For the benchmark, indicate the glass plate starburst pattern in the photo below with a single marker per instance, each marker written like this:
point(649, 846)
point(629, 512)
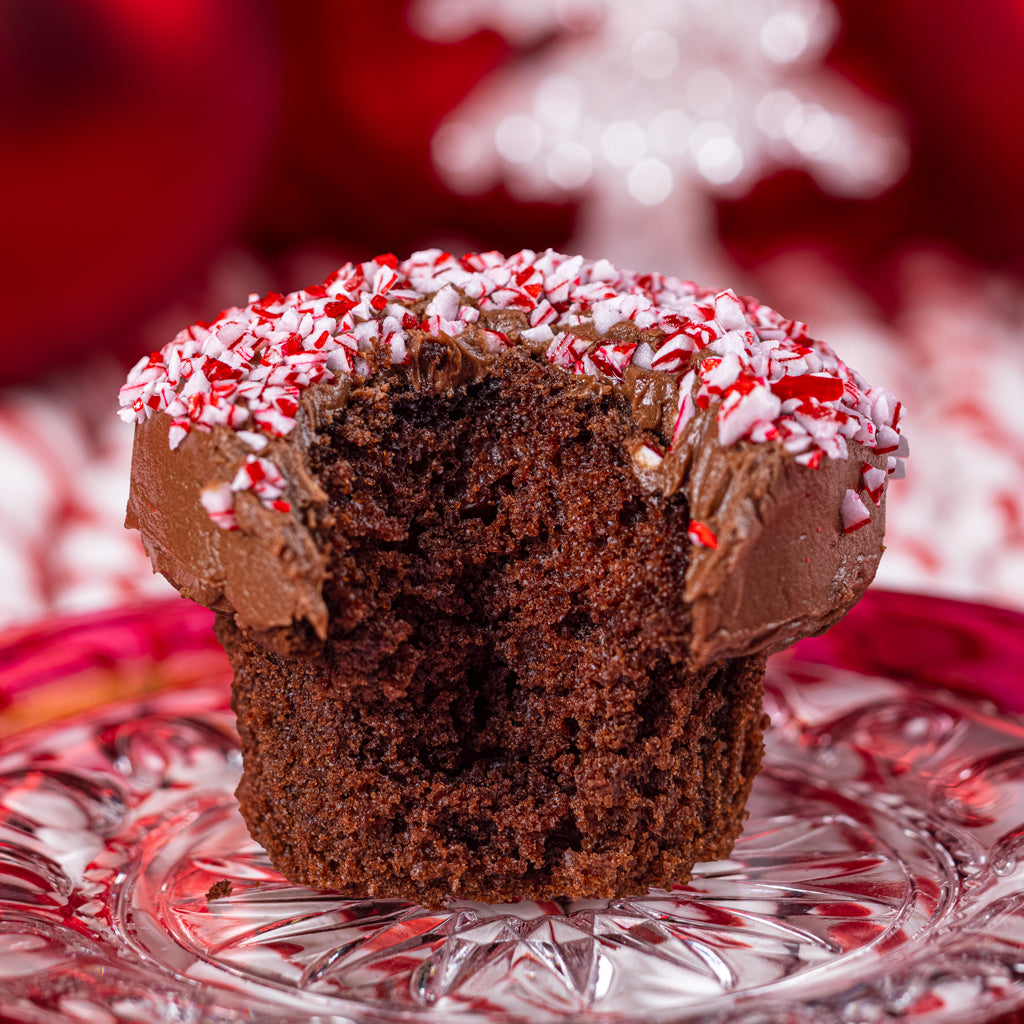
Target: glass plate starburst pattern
point(879, 877)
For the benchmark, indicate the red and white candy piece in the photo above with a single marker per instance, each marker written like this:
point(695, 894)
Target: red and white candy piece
point(646, 457)
point(874, 481)
point(740, 413)
point(854, 512)
point(612, 360)
point(258, 475)
point(566, 349)
point(701, 535)
point(219, 501)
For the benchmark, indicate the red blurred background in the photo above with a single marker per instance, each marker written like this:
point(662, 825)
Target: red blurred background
point(141, 139)
point(162, 159)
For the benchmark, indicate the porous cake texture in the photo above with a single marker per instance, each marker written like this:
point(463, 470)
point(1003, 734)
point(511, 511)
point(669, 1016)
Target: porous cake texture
point(504, 704)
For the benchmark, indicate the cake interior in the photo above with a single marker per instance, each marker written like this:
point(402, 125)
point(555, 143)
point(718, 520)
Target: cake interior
point(503, 704)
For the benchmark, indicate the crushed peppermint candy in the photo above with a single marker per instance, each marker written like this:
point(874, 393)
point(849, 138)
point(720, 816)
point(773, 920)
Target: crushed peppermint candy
point(701, 535)
point(264, 479)
point(854, 512)
point(260, 476)
point(767, 379)
point(874, 482)
point(219, 501)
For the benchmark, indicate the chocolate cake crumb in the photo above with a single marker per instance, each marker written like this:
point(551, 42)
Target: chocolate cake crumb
point(219, 890)
point(504, 705)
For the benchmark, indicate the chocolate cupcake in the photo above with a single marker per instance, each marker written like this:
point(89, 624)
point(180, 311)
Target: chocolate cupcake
point(498, 548)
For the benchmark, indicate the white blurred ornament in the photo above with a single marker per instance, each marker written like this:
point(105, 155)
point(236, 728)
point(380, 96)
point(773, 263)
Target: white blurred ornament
point(645, 110)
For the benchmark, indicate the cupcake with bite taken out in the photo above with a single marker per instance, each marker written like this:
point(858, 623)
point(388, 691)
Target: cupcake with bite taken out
point(497, 549)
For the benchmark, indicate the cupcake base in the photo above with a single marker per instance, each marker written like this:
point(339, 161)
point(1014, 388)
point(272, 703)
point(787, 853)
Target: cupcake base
point(360, 793)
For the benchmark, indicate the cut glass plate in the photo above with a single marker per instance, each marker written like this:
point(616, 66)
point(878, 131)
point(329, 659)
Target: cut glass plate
point(879, 876)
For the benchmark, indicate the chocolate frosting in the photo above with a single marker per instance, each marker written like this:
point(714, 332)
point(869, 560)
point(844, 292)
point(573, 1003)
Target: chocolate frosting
point(783, 568)
point(268, 573)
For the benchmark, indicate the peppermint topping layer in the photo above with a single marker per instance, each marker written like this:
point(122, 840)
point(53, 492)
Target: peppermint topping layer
point(771, 381)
